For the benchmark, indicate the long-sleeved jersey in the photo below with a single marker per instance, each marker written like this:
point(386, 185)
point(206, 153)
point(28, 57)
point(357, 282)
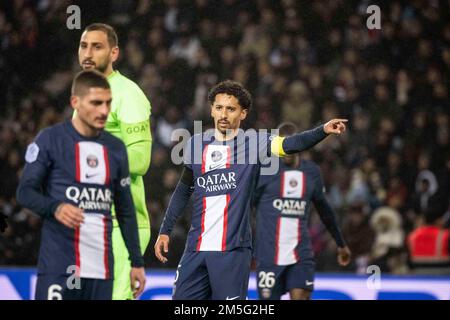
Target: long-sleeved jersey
point(129, 120)
point(224, 175)
point(63, 166)
point(283, 203)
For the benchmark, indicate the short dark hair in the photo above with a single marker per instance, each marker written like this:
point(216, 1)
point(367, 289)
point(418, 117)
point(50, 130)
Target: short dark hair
point(232, 88)
point(86, 79)
point(113, 40)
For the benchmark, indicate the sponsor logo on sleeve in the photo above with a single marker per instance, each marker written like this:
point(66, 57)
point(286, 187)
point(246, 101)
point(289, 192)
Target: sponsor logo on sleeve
point(32, 153)
point(125, 182)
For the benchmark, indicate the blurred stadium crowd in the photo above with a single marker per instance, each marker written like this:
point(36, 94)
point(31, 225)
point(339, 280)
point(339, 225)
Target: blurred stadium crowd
point(303, 61)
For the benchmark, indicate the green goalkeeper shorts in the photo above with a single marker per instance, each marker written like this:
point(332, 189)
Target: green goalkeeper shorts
point(122, 266)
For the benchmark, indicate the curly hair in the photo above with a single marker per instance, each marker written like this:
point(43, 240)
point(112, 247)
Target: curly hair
point(232, 88)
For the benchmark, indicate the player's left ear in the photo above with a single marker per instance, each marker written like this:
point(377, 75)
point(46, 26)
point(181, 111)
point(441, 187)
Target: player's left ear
point(114, 54)
point(244, 113)
point(74, 100)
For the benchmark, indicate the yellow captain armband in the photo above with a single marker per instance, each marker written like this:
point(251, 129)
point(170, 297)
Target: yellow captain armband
point(276, 146)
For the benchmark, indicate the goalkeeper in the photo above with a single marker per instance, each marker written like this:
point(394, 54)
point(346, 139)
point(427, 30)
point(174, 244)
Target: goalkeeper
point(129, 120)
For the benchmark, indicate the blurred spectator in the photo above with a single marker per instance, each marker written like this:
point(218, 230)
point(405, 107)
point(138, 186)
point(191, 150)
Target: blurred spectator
point(298, 106)
point(302, 61)
point(169, 122)
point(426, 187)
point(429, 245)
point(359, 236)
point(389, 240)
point(186, 46)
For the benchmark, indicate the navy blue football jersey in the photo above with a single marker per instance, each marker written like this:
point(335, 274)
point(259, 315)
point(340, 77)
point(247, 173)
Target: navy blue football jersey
point(222, 176)
point(92, 174)
point(225, 175)
point(283, 202)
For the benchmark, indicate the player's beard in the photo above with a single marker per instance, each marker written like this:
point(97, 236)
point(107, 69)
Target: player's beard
point(226, 129)
point(227, 132)
point(102, 67)
point(290, 160)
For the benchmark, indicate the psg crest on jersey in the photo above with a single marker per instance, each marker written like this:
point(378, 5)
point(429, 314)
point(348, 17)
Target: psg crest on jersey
point(92, 161)
point(216, 156)
point(293, 183)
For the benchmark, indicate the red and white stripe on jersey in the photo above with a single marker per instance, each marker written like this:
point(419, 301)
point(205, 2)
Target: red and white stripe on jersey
point(213, 236)
point(293, 184)
point(287, 238)
point(91, 247)
point(215, 157)
point(92, 164)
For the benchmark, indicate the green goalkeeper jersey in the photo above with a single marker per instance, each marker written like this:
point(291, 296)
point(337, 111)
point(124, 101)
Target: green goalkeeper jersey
point(129, 120)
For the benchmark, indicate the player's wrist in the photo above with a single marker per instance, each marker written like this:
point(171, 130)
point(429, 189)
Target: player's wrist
point(137, 268)
point(57, 207)
point(137, 261)
point(137, 264)
point(163, 235)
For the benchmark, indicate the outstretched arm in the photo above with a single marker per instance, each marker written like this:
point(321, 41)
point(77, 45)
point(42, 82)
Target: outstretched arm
point(282, 146)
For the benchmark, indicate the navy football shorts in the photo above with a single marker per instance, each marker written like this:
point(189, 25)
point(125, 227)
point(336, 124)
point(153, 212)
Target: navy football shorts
point(61, 287)
point(211, 275)
point(274, 281)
